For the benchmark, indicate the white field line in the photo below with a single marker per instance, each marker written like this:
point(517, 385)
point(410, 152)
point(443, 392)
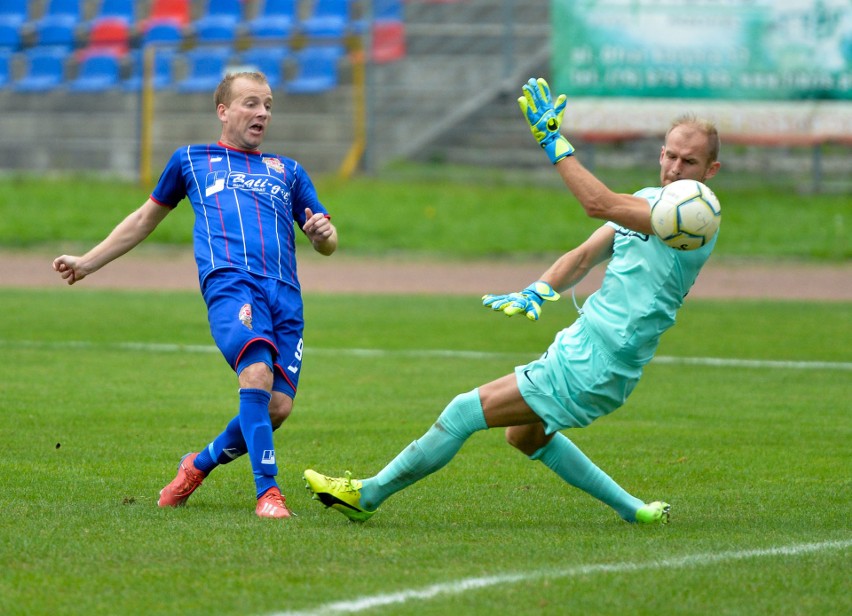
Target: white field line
point(147, 347)
point(360, 604)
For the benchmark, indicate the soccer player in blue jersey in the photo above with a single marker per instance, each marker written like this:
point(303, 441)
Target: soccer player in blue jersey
point(246, 203)
point(593, 365)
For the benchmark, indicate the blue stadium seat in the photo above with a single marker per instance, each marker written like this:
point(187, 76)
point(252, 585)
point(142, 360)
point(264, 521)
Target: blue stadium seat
point(163, 74)
point(316, 69)
point(268, 60)
point(216, 31)
point(165, 31)
point(45, 70)
point(330, 18)
point(206, 67)
point(10, 36)
point(63, 12)
point(58, 25)
point(97, 73)
point(56, 33)
point(124, 10)
point(222, 11)
point(390, 10)
point(14, 12)
point(5, 68)
point(277, 19)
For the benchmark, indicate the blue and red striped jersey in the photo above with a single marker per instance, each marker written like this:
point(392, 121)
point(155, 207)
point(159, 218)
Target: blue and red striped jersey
point(245, 203)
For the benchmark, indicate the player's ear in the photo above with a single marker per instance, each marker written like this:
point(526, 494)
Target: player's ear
point(712, 170)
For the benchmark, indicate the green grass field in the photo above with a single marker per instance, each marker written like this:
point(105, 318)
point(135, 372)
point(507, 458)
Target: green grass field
point(104, 391)
point(473, 214)
point(742, 423)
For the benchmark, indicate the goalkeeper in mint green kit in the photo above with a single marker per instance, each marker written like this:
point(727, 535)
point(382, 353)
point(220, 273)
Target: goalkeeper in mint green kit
point(593, 365)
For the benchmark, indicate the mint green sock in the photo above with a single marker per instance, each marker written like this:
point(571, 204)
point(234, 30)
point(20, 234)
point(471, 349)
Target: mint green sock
point(566, 460)
point(462, 417)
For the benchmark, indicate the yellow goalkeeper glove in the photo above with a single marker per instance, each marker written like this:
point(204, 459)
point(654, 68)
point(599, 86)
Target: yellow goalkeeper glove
point(545, 118)
point(527, 301)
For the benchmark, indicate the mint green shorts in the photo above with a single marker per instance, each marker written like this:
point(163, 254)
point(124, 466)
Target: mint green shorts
point(575, 381)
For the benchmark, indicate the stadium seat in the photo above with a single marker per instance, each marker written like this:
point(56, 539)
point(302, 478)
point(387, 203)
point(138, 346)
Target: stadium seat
point(163, 70)
point(330, 18)
point(45, 70)
point(108, 35)
point(222, 11)
point(14, 12)
point(388, 41)
point(316, 69)
point(174, 10)
point(58, 25)
point(124, 10)
point(163, 31)
point(56, 34)
point(5, 68)
point(268, 60)
point(97, 73)
point(277, 19)
point(219, 22)
point(10, 37)
point(387, 10)
point(205, 69)
point(216, 31)
point(66, 12)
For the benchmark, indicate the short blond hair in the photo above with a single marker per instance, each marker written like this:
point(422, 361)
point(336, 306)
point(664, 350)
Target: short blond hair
point(224, 95)
point(714, 143)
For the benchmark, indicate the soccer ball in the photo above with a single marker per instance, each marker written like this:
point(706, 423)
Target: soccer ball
point(686, 215)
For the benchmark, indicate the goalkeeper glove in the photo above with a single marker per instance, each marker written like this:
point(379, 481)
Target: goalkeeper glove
point(528, 301)
point(545, 118)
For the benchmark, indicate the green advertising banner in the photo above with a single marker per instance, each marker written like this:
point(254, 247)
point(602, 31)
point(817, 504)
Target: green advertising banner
point(710, 49)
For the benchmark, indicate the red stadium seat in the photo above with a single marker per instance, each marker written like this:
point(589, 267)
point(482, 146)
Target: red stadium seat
point(108, 36)
point(174, 10)
point(388, 41)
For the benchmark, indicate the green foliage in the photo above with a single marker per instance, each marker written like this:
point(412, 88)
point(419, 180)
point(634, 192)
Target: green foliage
point(461, 215)
point(94, 422)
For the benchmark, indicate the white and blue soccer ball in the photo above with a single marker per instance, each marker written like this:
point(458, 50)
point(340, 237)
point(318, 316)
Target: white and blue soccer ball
point(686, 215)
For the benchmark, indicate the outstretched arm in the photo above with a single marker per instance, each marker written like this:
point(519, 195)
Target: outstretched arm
point(600, 202)
point(567, 271)
point(126, 235)
point(545, 120)
point(573, 266)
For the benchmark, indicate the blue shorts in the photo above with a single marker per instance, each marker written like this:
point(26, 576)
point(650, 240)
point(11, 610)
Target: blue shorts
point(575, 381)
point(244, 309)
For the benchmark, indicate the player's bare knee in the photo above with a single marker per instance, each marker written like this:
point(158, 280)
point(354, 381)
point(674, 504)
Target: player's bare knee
point(527, 439)
point(256, 376)
point(515, 437)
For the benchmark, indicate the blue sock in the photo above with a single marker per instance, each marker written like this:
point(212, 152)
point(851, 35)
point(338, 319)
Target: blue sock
point(566, 460)
point(462, 417)
point(225, 448)
point(257, 431)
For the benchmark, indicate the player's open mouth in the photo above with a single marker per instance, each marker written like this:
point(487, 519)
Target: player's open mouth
point(256, 128)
